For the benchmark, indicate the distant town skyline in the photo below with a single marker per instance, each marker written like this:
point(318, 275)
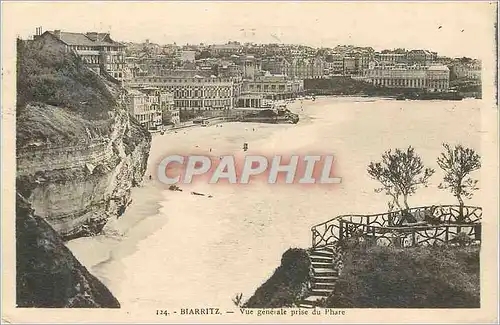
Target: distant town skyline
point(452, 29)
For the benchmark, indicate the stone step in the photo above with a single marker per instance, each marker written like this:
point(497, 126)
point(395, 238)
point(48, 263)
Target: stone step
point(325, 285)
point(321, 259)
point(325, 272)
point(306, 306)
point(325, 279)
point(321, 292)
point(325, 249)
point(321, 254)
point(316, 266)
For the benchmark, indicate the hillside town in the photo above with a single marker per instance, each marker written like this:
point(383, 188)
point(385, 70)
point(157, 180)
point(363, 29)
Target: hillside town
point(166, 85)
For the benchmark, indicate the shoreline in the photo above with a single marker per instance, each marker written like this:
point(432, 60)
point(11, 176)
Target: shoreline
point(176, 233)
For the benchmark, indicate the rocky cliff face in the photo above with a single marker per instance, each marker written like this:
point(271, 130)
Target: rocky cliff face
point(77, 188)
point(48, 275)
point(79, 152)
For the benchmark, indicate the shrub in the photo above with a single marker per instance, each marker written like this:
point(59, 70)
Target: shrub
point(421, 277)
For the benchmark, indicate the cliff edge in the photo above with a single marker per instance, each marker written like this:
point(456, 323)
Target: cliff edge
point(79, 152)
point(48, 275)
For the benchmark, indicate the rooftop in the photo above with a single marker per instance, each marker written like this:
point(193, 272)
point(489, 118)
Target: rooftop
point(87, 39)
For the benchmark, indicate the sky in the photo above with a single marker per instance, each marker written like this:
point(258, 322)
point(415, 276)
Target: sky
point(452, 29)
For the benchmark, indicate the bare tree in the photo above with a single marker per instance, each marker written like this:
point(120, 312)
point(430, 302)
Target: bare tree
point(238, 299)
point(400, 172)
point(458, 162)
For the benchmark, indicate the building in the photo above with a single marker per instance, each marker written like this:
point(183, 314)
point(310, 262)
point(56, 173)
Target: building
point(101, 53)
point(349, 65)
point(274, 86)
point(275, 66)
point(421, 57)
point(469, 70)
point(187, 56)
point(438, 78)
point(390, 58)
point(152, 106)
point(137, 106)
point(306, 68)
point(335, 66)
point(432, 78)
point(250, 66)
point(196, 92)
point(226, 49)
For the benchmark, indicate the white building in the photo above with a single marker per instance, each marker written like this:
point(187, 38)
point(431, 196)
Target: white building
point(433, 78)
point(100, 53)
point(197, 92)
point(150, 105)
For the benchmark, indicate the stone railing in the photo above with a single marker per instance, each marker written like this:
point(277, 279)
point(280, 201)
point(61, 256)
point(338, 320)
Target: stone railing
point(387, 228)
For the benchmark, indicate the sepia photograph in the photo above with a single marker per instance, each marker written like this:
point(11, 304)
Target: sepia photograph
point(236, 162)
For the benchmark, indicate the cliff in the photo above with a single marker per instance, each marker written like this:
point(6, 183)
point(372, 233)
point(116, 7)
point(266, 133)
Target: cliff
point(79, 152)
point(287, 286)
point(48, 275)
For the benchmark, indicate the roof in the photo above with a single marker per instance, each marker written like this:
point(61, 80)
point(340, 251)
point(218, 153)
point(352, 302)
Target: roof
point(438, 68)
point(135, 92)
point(88, 39)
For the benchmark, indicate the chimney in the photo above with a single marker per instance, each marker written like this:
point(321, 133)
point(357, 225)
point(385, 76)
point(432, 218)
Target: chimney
point(57, 33)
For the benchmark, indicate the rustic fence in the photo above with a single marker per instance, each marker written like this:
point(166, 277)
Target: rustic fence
point(385, 228)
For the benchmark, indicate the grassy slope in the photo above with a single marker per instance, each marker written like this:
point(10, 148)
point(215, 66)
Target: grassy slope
point(379, 277)
point(286, 284)
point(57, 96)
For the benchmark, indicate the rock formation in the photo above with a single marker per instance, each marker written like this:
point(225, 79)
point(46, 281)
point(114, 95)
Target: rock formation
point(79, 153)
point(48, 275)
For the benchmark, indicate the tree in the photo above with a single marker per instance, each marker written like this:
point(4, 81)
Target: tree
point(400, 172)
point(457, 163)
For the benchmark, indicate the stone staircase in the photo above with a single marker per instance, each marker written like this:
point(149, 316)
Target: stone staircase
point(326, 263)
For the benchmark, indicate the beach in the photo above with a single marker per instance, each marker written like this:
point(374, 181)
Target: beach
point(174, 249)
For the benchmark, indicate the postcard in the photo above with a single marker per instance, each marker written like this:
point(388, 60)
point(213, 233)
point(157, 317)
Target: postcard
point(249, 162)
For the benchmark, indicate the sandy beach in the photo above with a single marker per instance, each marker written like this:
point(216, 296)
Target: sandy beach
point(180, 250)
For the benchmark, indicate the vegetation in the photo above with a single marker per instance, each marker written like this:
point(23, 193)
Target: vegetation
point(420, 277)
point(345, 85)
point(400, 172)
point(457, 163)
point(51, 76)
point(185, 115)
point(43, 124)
point(286, 286)
point(59, 100)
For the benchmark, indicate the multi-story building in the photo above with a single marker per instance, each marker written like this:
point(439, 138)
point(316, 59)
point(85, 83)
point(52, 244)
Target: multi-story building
point(274, 65)
point(438, 77)
point(433, 78)
point(227, 49)
point(306, 68)
point(250, 66)
point(97, 50)
point(467, 70)
point(197, 92)
point(390, 58)
point(336, 66)
point(137, 103)
point(274, 86)
point(150, 106)
point(421, 57)
point(349, 65)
